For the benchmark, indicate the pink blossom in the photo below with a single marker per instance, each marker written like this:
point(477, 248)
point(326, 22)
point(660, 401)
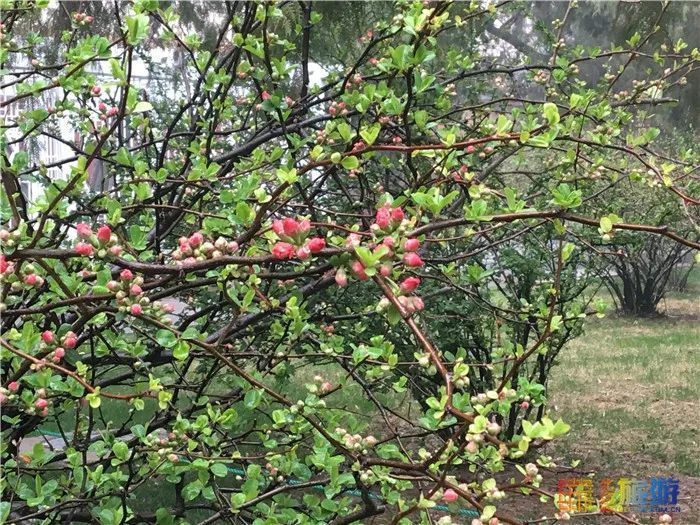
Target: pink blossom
point(385, 270)
point(135, 289)
point(352, 240)
point(84, 230)
point(412, 259)
point(449, 496)
point(359, 271)
point(84, 249)
point(411, 245)
point(70, 340)
point(383, 218)
point(136, 309)
point(316, 244)
point(283, 250)
point(397, 215)
point(41, 403)
point(47, 336)
point(341, 278)
point(30, 279)
point(115, 250)
point(103, 234)
point(13, 386)
point(196, 239)
point(4, 265)
point(58, 353)
point(265, 95)
point(409, 284)
point(303, 253)
point(126, 275)
point(470, 149)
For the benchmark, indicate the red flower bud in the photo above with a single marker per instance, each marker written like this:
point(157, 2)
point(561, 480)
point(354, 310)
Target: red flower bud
point(84, 249)
point(47, 336)
point(412, 259)
point(103, 234)
point(316, 244)
point(411, 245)
point(409, 284)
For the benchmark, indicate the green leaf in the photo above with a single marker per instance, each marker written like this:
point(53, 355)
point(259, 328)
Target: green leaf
point(166, 338)
point(142, 107)
point(370, 134)
point(219, 470)
point(350, 163)
point(181, 350)
point(136, 28)
point(551, 113)
point(121, 450)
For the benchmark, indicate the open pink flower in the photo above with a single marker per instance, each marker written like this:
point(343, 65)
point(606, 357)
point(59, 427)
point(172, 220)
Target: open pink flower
point(196, 239)
point(383, 218)
point(283, 250)
point(409, 284)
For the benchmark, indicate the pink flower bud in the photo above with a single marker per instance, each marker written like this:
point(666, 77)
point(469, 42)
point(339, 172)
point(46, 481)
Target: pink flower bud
point(102, 107)
point(411, 245)
point(412, 259)
point(59, 353)
point(449, 496)
point(136, 309)
point(352, 240)
point(409, 284)
point(47, 336)
point(126, 275)
point(303, 253)
point(103, 234)
point(84, 249)
point(341, 278)
point(115, 250)
point(385, 270)
point(135, 289)
point(84, 231)
point(41, 403)
point(265, 95)
point(13, 386)
point(30, 279)
point(232, 246)
point(96, 90)
point(326, 386)
point(359, 270)
point(70, 340)
point(316, 244)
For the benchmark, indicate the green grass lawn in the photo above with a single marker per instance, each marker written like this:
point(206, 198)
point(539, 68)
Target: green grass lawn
point(630, 389)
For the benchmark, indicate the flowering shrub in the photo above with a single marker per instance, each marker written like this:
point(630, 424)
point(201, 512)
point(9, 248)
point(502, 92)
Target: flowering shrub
point(301, 302)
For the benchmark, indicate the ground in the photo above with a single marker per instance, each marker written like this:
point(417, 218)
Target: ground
point(630, 390)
